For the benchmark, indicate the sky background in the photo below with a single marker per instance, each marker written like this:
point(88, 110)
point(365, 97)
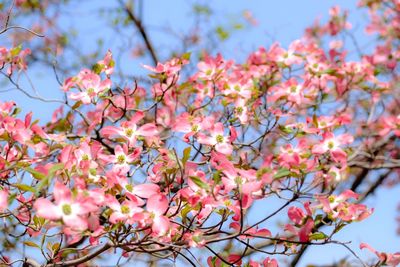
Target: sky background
point(281, 21)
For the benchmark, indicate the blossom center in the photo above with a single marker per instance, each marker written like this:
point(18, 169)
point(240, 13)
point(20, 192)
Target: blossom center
point(129, 132)
point(121, 159)
point(66, 209)
point(90, 91)
point(195, 128)
point(219, 138)
point(125, 209)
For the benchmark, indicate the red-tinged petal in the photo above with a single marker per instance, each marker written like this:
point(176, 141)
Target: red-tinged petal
point(246, 201)
point(135, 200)
point(339, 155)
point(46, 209)
point(161, 225)
point(105, 84)
point(110, 130)
point(393, 259)
point(61, 192)
point(251, 187)
point(235, 259)
point(66, 154)
point(325, 204)
point(3, 200)
point(187, 136)
point(296, 215)
point(39, 131)
point(319, 149)
point(346, 139)
point(148, 129)
point(137, 117)
point(234, 225)
point(290, 228)
point(117, 217)
point(134, 155)
point(157, 204)
point(119, 150)
point(264, 232)
point(80, 96)
point(307, 208)
point(270, 262)
point(219, 128)
point(348, 194)
point(365, 245)
point(205, 140)
point(212, 263)
point(146, 190)
point(224, 148)
point(75, 222)
point(306, 230)
point(233, 135)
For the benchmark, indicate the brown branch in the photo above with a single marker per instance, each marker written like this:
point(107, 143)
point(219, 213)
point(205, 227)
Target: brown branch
point(31, 263)
point(83, 259)
point(139, 26)
point(7, 21)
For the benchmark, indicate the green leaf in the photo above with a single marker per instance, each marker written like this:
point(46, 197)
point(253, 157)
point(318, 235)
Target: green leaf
point(315, 120)
point(56, 167)
point(238, 26)
point(31, 244)
point(46, 181)
point(55, 247)
point(222, 34)
point(199, 182)
point(282, 172)
point(25, 187)
point(16, 111)
point(202, 9)
point(317, 236)
point(186, 56)
point(97, 68)
point(286, 130)
point(37, 175)
point(184, 212)
point(15, 50)
point(217, 177)
point(77, 105)
point(186, 154)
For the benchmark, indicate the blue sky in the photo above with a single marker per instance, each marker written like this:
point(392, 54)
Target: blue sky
point(282, 21)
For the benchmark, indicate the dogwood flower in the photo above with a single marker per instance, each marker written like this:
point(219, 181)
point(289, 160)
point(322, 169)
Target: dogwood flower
point(71, 211)
point(91, 86)
point(130, 131)
point(217, 139)
point(157, 205)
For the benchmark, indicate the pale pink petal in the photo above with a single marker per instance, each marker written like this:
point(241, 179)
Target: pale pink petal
point(206, 140)
point(110, 130)
point(61, 192)
point(75, 222)
point(224, 148)
point(148, 129)
point(137, 117)
point(296, 215)
point(348, 194)
point(319, 149)
point(106, 84)
point(158, 204)
point(160, 225)
point(46, 209)
point(3, 200)
point(146, 190)
point(306, 230)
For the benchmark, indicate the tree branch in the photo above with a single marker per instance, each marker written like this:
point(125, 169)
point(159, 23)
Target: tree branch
point(139, 26)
